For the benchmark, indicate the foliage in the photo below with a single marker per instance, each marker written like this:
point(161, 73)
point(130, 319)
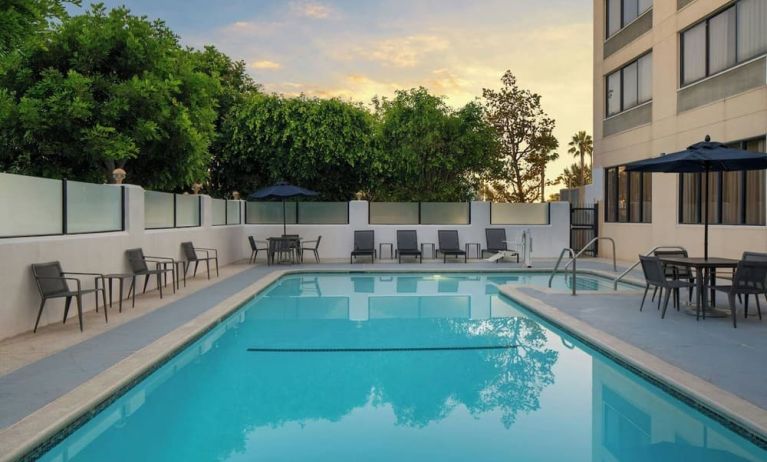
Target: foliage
point(20, 20)
point(526, 140)
point(581, 145)
point(571, 176)
point(322, 144)
point(428, 151)
point(106, 89)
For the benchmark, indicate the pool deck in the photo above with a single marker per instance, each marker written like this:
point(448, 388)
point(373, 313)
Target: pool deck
point(712, 350)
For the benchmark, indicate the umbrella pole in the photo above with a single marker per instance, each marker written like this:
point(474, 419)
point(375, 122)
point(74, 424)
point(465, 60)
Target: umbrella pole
point(284, 219)
point(705, 218)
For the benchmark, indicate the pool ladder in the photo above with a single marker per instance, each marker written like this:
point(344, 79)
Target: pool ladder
point(650, 252)
point(574, 259)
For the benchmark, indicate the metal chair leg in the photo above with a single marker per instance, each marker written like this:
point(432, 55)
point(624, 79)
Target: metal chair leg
point(665, 302)
point(646, 289)
point(731, 298)
point(67, 304)
point(146, 282)
point(40, 312)
point(80, 310)
point(207, 264)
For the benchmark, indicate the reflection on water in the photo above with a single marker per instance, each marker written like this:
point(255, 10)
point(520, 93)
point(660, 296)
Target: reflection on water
point(217, 401)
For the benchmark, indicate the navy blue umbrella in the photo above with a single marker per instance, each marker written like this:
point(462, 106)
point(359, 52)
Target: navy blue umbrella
point(281, 191)
point(704, 157)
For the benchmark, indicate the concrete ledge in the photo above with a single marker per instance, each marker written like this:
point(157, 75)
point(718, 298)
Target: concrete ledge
point(628, 119)
point(747, 415)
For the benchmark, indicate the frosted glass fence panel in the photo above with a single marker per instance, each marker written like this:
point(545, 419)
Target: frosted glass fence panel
point(94, 207)
point(393, 213)
point(270, 212)
point(34, 203)
point(327, 213)
point(445, 213)
point(233, 213)
point(519, 214)
point(187, 210)
point(158, 210)
point(219, 211)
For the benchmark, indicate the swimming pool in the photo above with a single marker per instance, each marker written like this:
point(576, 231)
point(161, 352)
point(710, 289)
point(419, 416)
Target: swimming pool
point(394, 366)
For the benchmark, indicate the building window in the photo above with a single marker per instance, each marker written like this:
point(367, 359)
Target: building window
point(734, 198)
point(629, 86)
point(621, 12)
point(719, 42)
point(628, 196)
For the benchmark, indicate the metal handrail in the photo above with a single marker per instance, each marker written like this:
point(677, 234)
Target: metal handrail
point(585, 247)
point(559, 260)
point(660, 247)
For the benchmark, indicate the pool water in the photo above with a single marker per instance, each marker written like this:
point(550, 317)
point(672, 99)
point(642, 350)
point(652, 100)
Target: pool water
point(397, 367)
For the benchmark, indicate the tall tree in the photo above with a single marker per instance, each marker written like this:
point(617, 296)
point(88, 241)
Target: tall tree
point(581, 145)
point(525, 134)
point(573, 176)
point(428, 151)
point(20, 20)
point(107, 89)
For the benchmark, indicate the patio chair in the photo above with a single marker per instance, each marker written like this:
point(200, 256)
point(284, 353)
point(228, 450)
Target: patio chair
point(750, 279)
point(682, 273)
point(496, 242)
point(407, 244)
point(655, 275)
point(364, 245)
point(138, 263)
point(449, 245)
point(254, 248)
point(190, 253)
point(753, 256)
point(52, 282)
point(313, 248)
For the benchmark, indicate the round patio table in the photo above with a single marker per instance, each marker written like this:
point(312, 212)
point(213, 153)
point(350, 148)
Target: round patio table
point(705, 277)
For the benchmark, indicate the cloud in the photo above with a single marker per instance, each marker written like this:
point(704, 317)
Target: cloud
point(265, 64)
point(311, 10)
point(405, 51)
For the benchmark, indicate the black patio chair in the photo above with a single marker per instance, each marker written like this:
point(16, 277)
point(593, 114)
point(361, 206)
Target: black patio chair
point(753, 256)
point(254, 248)
point(449, 245)
point(655, 275)
point(52, 282)
point(283, 248)
point(496, 242)
point(313, 248)
point(139, 265)
point(190, 253)
point(407, 244)
point(683, 273)
point(750, 279)
point(364, 245)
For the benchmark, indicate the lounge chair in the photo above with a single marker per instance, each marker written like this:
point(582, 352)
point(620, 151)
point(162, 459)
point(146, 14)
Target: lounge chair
point(314, 248)
point(750, 279)
point(364, 245)
point(52, 282)
point(655, 275)
point(448, 244)
point(190, 253)
point(254, 248)
point(407, 245)
point(138, 263)
point(497, 242)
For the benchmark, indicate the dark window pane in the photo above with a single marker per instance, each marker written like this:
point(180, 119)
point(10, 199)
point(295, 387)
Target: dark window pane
point(629, 11)
point(732, 187)
point(721, 40)
point(755, 187)
point(613, 16)
point(630, 86)
point(644, 85)
point(614, 93)
point(635, 198)
point(690, 197)
point(694, 53)
point(623, 195)
point(647, 197)
point(612, 188)
point(713, 197)
point(752, 24)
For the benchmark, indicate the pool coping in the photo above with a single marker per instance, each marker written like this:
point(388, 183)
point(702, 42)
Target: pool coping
point(711, 399)
point(26, 436)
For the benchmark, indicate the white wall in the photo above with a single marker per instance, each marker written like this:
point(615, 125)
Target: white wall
point(105, 252)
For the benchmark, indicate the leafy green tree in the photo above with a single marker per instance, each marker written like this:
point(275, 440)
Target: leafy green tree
point(526, 140)
point(581, 145)
point(107, 89)
point(20, 20)
point(428, 151)
point(322, 144)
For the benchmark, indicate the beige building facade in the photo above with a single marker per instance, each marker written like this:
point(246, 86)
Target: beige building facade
point(666, 74)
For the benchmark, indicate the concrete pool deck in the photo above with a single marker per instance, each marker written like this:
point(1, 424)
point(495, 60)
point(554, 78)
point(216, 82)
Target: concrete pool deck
point(81, 370)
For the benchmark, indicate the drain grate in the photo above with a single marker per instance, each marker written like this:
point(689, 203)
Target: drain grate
point(378, 350)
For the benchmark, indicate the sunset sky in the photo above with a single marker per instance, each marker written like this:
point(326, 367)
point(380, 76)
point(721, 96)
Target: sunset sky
point(358, 49)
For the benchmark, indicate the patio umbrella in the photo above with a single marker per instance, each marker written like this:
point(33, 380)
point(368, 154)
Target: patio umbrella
point(704, 157)
point(281, 191)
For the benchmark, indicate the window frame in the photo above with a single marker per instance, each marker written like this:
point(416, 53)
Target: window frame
point(613, 203)
point(718, 200)
point(707, 58)
point(622, 87)
point(622, 24)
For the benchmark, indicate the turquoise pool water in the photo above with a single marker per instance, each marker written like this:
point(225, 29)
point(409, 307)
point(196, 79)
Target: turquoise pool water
point(397, 367)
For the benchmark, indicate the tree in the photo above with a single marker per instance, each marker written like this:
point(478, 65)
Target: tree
point(20, 20)
point(581, 145)
point(107, 89)
point(322, 144)
point(428, 151)
point(572, 176)
point(526, 140)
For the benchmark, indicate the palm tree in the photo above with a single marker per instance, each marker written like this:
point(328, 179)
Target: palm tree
point(581, 145)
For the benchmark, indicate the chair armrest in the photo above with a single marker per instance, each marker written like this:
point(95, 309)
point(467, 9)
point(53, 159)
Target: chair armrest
point(149, 257)
point(207, 251)
point(308, 242)
point(84, 274)
point(61, 279)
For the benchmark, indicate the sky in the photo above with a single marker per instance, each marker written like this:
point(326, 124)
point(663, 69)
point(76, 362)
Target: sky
point(357, 49)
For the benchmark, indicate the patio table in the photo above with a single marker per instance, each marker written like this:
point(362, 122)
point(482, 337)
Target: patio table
point(705, 276)
point(293, 243)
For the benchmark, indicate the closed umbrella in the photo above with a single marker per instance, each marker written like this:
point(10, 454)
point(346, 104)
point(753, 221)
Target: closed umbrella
point(281, 191)
point(704, 157)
